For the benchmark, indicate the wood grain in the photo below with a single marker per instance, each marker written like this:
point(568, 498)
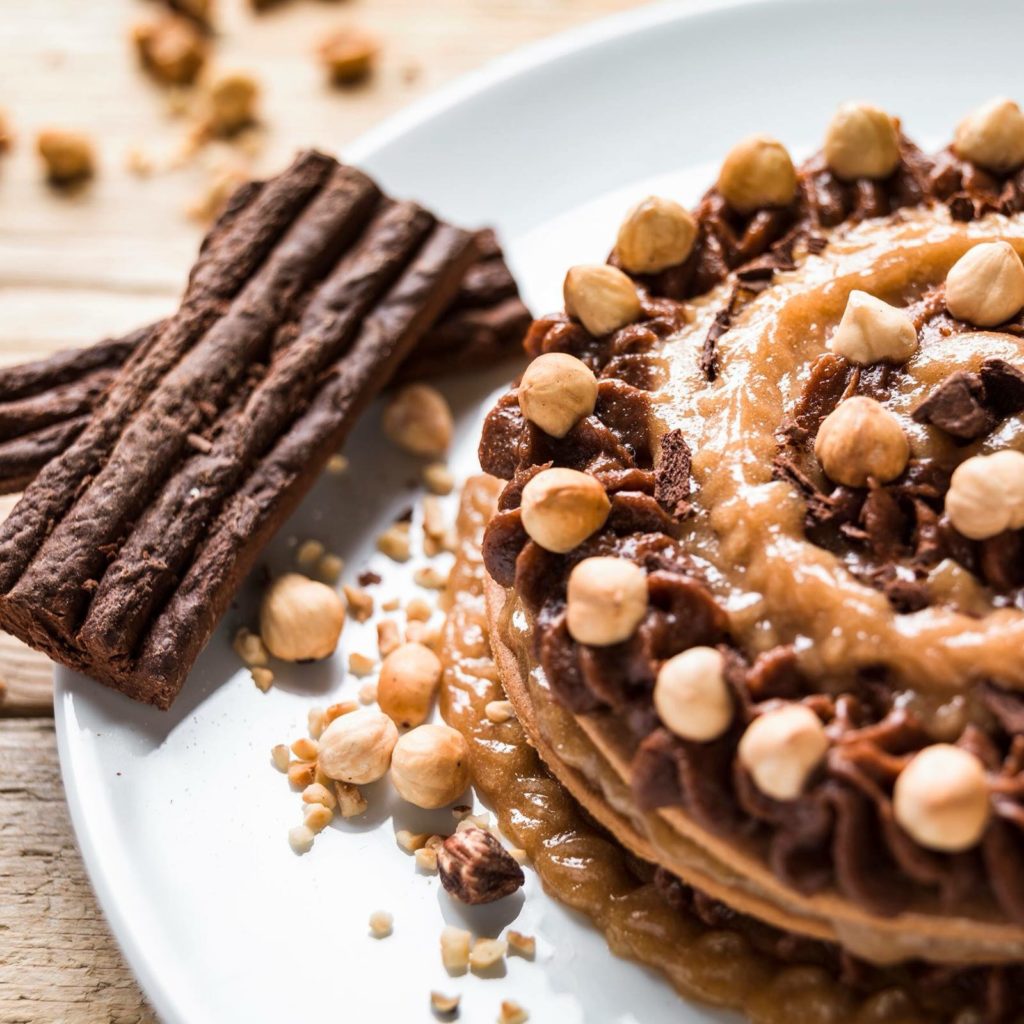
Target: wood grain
point(74, 268)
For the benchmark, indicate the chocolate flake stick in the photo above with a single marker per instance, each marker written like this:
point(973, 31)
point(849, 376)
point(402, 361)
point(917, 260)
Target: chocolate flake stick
point(285, 474)
point(247, 231)
point(163, 541)
point(55, 587)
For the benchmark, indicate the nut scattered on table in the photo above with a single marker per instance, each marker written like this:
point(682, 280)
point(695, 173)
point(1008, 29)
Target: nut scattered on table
point(409, 678)
point(512, 1013)
point(556, 391)
point(388, 638)
point(360, 602)
point(418, 419)
point(486, 953)
point(396, 542)
point(250, 648)
point(382, 924)
point(562, 507)
point(349, 54)
point(444, 1005)
point(430, 765)
point(606, 600)
point(300, 619)
point(438, 478)
point(781, 749)
point(280, 756)
point(301, 838)
point(475, 868)
point(862, 141)
point(455, 947)
point(657, 234)
point(860, 440)
point(601, 297)
point(231, 104)
point(171, 48)
point(68, 157)
point(986, 495)
point(351, 802)
point(357, 747)
point(872, 331)
point(757, 172)
point(992, 136)
point(985, 286)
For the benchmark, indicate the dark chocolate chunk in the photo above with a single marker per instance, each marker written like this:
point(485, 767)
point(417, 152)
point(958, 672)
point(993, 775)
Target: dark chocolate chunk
point(958, 407)
point(673, 485)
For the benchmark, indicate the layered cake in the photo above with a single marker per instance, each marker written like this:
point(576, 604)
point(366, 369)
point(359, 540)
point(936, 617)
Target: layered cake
point(755, 577)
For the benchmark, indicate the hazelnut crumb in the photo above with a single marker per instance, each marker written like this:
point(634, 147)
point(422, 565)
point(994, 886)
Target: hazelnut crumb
point(318, 793)
point(349, 54)
point(343, 707)
point(360, 664)
point(419, 420)
point(306, 749)
point(316, 720)
point(329, 568)
point(301, 838)
point(444, 1005)
point(455, 948)
point(222, 183)
point(433, 516)
point(388, 638)
point(317, 817)
point(415, 633)
point(307, 554)
point(351, 802)
point(231, 104)
point(521, 945)
point(395, 542)
point(368, 693)
point(263, 678)
point(337, 464)
point(392, 604)
point(381, 924)
point(6, 133)
point(426, 860)
point(418, 610)
point(486, 953)
point(360, 602)
point(411, 841)
point(68, 156)
point(136, 161)
point(438, 478)
point(301, 774)
point(430, 578)
point(499, 710)
point(512, 1013)
point(172, 49)
point(250, 648)
point(280, 756)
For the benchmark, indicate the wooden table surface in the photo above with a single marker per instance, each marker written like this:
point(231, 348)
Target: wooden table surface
point(74, 268)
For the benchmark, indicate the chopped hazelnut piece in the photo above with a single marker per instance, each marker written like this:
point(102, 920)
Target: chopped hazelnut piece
point(426, 860)
point(68, 156)
point(329, 568)
point(360, 603)
point(351, 802)
point(606, 600)
point(486, 953)
point(430, 577)
point(986, 495)
point(430, 765)
point(561, 508)
point(476, 868)
point(301, 838)
point(337, 464)
point(316, 721)
point(860, 440)
point(221, 186)
point(395, 542)
point(262, 677)
point(357, 748)
point(387, 637)
point(317, 817)
point(360, 664)
point(333, 711)
point(438, 478)
point(419, 420)
point(308, 553)
point(862, 141)
point(992, 136)
point(6, 132)
point(249, 647)
point(368, 693)
point(172, 49)
point(455, 947)
point(512, 1013)
point(392, 604)
point(306, 749)
point(601, 297)
point(349, 55)
point(232, 101)
point(656, 234)
point(522, 945)
point(499, 710)
point(756, 173)
point(781, 749)
point(444, 1005)
point(872, 331)
point(300, 618)
point(302, 773)
point(433, 517)
point(408, 681)
point(985, 287)
point(411, 841)
point(317, 793)
point(692, 696)
point(418, 610)
point(281, 757)
point(381, 924)
point(138, 162)
point(556, 391)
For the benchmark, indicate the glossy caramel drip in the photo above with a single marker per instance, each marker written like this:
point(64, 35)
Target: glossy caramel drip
point(585, 869)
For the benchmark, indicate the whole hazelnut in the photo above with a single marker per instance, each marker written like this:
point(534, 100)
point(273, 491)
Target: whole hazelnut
point(781, 749)
point(986, 495)
point(556, 392)
point(656, 234)
point(356, 748)
point(430, 766)
point(409, 677)
point(607, 600)
point(985, 286)
point(757, 172)
point(417, 418)
point(691, 695)
point(601, 297)
point(561, 508)
point(872, 331)
point(992, 136)
point(300, 619)
point(861, 141)
point(941, 799)
point(861, 440)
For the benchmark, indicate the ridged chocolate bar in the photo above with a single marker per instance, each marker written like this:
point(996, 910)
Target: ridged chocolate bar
point(124, 552)
point(484, 324)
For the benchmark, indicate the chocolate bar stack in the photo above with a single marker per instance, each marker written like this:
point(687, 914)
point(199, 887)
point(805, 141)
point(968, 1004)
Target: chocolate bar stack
point(161, 464)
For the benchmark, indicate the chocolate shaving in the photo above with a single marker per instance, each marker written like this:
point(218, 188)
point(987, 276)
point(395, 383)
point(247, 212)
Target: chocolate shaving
point(673, 484)
point(958, 407)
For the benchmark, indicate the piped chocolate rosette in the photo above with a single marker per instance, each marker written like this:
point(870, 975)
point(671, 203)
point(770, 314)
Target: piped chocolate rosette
point(758, 568)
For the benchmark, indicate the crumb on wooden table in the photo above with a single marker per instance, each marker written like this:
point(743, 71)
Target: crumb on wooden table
point(68, 157)
point(349, 54)
point(171, 48)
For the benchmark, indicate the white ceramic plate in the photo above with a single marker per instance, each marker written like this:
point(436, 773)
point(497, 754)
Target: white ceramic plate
point(181, 819)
